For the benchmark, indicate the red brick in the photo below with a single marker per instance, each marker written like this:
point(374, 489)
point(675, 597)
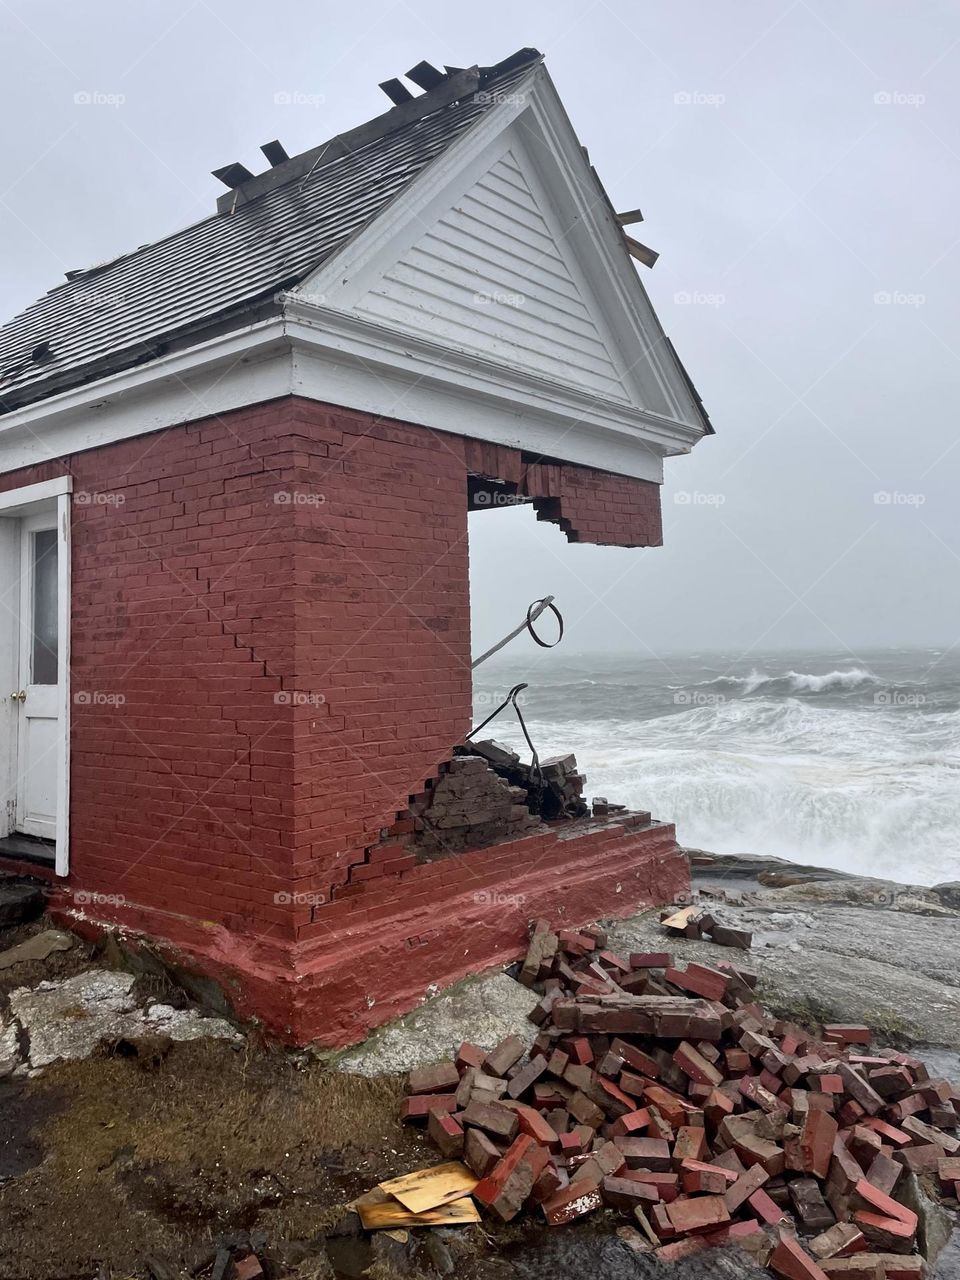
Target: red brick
point(571, 1202)
point(505, 1189)
point(702, 1213)
point(419, 1107)
point(446, 1133)
point(790, 1261)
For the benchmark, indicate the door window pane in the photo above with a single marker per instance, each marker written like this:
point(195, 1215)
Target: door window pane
point(44, 666)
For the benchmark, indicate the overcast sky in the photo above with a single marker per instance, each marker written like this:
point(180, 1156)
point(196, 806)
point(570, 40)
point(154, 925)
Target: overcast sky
point(797, 165)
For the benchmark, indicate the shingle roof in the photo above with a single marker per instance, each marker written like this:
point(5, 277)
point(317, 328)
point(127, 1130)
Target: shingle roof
point(210, 276)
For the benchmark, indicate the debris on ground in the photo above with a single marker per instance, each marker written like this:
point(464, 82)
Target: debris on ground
point(669, 1096)
point(697, 922)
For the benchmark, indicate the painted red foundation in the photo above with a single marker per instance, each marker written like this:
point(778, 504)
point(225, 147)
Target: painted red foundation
point(270, 655)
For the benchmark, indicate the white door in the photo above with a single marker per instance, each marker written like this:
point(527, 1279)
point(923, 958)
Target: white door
point(38, 731)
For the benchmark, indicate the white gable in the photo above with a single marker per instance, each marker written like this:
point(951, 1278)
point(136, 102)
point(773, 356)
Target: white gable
point(493, 275)
point(504, 251)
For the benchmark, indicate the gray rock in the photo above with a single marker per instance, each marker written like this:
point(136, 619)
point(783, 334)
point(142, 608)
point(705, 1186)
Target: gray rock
point(892, 968)
point(948, 894)
point(10, 1058)
point(935, 1225)
point(484, 1010)
point(187, 1024)
point(68, 1019)
point(440, 1256)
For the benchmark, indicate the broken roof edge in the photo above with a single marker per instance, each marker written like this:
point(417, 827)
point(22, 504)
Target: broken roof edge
point(455, 87)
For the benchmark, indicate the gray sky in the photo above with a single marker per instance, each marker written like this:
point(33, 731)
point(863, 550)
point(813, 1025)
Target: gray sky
point(797, 164)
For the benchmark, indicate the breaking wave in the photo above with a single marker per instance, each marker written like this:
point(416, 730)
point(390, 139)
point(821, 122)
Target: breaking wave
point(793, 682)
point(869, 790)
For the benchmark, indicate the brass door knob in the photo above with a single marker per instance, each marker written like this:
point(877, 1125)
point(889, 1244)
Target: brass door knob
point(21, 696)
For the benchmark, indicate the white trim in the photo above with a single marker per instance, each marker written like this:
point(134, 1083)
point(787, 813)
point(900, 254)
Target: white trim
point(349, 361)
point(18, 502)
point(47, 497)
point(63, 682)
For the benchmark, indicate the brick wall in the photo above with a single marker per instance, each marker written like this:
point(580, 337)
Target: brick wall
point(181, 758)
point(270, 656)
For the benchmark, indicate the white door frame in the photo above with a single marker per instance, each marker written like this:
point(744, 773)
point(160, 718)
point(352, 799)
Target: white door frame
point(35, 499)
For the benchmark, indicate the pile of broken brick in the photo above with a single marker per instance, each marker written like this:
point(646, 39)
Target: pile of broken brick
point(553, 788)
point(670, 1097)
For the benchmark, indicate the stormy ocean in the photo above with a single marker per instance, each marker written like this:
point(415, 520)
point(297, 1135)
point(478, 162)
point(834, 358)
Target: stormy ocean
point(818, 758)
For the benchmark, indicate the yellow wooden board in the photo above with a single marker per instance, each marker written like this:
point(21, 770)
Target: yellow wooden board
point(680, 919)
point(387, 1217)
point(428, 1188)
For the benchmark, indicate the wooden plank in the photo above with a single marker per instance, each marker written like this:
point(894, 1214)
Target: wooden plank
point(385, 1217)
point(427, 1188)
point(641, 251)
point(680, 919)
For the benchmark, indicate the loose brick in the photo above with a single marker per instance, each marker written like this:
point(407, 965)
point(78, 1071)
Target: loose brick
point(812, 1149)
point(766, 1209)
point(446, 1133)
point(510, 1182)
point(740, 1192)
point(625, 1193)
point(702, 1213)
point(651, 960)
point(571, 1202)
point(645, 1153)
point(441, 1077)
point(791, 1262)
point(480, 1155)
point(497, 1120)
point(695, 1065)
point(839, 1241)
point(499, 1060)
point(419, 1107)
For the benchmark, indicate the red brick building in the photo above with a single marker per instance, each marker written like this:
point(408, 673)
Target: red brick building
point(235, 472)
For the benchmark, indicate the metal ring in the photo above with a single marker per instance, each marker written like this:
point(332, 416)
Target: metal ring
point(556, 613)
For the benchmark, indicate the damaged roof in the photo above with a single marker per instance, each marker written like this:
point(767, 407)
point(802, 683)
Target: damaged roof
point(269, 233)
